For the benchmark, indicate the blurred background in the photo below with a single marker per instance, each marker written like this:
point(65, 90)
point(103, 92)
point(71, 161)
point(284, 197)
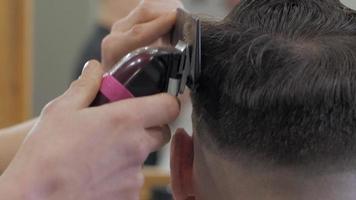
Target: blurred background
point(45, 44)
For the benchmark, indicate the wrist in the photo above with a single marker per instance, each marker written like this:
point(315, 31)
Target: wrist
point(29, 185)
point(10, 190)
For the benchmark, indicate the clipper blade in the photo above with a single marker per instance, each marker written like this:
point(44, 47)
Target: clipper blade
point(187, 35)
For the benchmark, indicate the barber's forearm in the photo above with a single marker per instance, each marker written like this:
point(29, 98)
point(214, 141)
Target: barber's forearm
point(10, 141)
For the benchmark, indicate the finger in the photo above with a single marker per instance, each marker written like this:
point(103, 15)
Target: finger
point(145, 12)
point(157, 138)
point(145, 112)
point(138, 16)
point(115, 46)
point(151, 31)
point(83, 91)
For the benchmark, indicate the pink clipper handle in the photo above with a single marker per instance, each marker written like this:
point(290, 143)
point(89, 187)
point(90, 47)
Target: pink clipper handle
point(113, 90)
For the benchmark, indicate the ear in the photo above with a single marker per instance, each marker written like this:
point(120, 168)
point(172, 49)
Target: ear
point(182, 156)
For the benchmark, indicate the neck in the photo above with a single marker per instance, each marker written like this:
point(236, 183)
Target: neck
point(241, 181)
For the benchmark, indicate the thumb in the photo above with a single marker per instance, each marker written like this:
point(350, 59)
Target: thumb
point(84, 90)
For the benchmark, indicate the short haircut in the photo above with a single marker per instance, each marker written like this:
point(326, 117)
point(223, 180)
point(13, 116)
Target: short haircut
point(279, 82)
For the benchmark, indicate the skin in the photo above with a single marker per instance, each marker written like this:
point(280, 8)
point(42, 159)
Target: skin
point(112, 49)
point(58, 165)
point(199, 172)
point(109, 11)
point(10, 141)
point(76, 152)
point(148, 14)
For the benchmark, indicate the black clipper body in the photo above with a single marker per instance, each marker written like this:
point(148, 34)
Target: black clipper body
point(149, 71)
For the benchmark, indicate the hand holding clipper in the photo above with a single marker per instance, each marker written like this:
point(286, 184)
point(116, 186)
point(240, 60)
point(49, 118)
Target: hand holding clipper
point(149, 71)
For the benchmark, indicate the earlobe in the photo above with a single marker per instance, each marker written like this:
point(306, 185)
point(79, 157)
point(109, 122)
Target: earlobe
point(182, 156)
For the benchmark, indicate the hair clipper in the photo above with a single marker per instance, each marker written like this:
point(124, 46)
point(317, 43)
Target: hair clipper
point(149, 71)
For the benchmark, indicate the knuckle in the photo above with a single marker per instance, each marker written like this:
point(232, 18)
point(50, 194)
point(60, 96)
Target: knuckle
point(51, 108)
point(137, 31)
point(140, 152)
point(107, 48)
point(116, 26)
point(143, 10)
point(77, 85)
point(106, 41)
point(106, 44)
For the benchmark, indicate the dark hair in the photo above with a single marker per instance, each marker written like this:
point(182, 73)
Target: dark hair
point(279, 82)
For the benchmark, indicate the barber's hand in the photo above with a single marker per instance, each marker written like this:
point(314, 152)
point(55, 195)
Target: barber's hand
point(147, 23)
point(80, 153)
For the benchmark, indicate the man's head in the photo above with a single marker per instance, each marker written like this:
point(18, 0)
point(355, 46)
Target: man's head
point(275, 112)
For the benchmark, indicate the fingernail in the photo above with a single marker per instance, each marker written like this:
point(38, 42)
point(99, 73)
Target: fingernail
point(91, 67)
point(85, 67)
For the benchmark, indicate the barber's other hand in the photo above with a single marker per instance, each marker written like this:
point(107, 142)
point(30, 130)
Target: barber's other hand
point(80, 153)
point(148, 22)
